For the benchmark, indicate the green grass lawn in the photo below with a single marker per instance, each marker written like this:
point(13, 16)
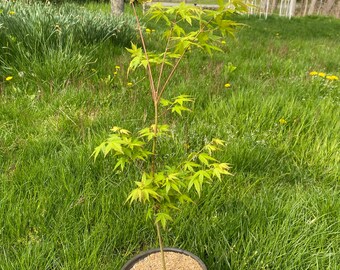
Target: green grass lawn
point(280, 209)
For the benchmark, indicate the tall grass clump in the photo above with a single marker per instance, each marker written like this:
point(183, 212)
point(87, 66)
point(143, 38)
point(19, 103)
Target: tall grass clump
point(54, 43)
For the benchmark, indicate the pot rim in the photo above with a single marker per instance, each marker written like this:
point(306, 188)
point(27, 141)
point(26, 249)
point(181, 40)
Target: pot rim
point(142, 255)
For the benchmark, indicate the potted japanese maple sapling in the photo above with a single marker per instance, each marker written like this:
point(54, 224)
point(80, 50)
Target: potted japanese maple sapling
point(163, 187)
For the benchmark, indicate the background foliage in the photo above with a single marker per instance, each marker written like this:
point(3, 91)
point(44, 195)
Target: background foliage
point(38, 38)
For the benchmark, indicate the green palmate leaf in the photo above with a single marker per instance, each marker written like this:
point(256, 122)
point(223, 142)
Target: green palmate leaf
point(135, 63)
point(162, 129)
point(134, 195)
point(197, 184)
point(176, 188)
point(172, 182)
point(179, 109)
point(115, 146)
point(185, 199)
point(187, 13)
point(147, 132)
point(133, 143)
point(120, 130)
point(209, 48)
point(173, 176)
point(185, 43)
point(183, 98)
point(144, 191)
point(165, 102)
point(221, 4)
point(98, 149)
point(189, 166)
point(167, 187)
point(178, 31)
point(173, 55)
point(170, 206)
point(140, 155)
point(158, 12)
point(219, 169)
point(120, 163)
point(211, 148)
point(148, 192)
point(135, 51)
point(159, 178)
point(218, 141)
point(146, 181)
point(205, 158)
point(154, 131)
point(240, 6)
point(163, 218)
point(198, 179)
point(137, 57)
point(203, 175)
point(192, 156)
point(203, 38)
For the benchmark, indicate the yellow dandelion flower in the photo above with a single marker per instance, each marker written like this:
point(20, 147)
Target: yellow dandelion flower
point(115, 73)
point(322, 74)
point(153, 30)
point(9, 78)
point(227, 85)
point(223, 42)
point(147, 30)
point(313, 73)
point(117, 67)
point(332, 78)
point(11, 12)
point(282, 121)
point(129, 84)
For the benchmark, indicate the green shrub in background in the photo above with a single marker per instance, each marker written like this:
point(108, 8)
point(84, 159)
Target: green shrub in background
point(51, 42)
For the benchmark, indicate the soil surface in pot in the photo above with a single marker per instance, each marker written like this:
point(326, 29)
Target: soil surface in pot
point(173, 260)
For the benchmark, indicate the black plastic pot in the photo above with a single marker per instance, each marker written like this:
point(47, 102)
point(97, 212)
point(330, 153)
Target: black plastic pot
point(143, 255)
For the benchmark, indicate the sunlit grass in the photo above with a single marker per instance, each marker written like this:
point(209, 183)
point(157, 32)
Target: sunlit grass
point(280, 210)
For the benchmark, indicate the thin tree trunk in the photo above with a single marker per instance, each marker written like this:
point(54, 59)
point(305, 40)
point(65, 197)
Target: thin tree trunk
point(311, 7)
point(292, 6)
point(337, 10)
point(274, 5)
point(267, 8)
point(328, 6)
point(320, 5)
point(287, 4)
point(281, 6)
point(117, 7)
point(305, 9)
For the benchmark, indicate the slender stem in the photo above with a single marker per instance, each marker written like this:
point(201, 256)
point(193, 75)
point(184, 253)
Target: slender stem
point(162, 67)
point(164, 56)
point(154, 142)
point(171, 74)
point(161, 245)
point(152, 84)
point(178, 61)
